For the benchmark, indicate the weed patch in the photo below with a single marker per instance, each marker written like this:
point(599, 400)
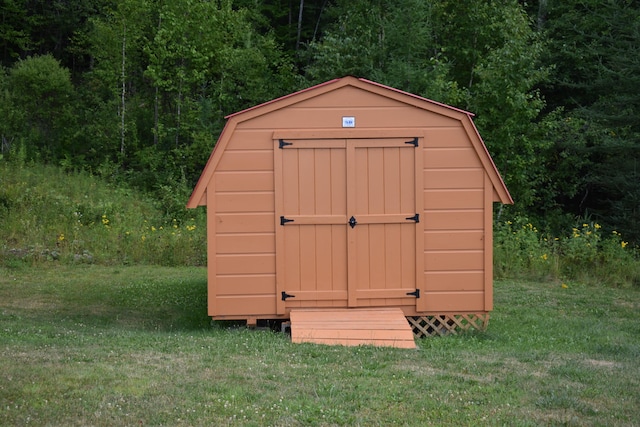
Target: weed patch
point(585, 254)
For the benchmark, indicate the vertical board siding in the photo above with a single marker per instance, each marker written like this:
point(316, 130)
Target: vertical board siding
point(385, 250)
point(312, 184)
point(373, 263)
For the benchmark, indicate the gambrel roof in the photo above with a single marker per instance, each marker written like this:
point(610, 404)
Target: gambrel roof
point(464, 117)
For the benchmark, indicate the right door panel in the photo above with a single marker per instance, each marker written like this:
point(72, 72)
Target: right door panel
point(385, 243)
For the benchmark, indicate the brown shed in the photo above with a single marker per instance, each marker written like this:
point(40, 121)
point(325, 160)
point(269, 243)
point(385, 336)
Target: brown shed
point(348, 195)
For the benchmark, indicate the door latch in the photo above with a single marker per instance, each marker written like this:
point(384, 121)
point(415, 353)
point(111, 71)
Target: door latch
point(352, 222)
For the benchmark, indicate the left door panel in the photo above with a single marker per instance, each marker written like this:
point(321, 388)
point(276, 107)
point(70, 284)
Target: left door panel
point(311, 202)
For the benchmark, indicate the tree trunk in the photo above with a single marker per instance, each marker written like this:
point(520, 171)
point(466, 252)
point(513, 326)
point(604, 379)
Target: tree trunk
point(124, 88)
point(299, 24)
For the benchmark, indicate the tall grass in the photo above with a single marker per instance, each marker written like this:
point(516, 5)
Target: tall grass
point(47, 215)
point(585, 253)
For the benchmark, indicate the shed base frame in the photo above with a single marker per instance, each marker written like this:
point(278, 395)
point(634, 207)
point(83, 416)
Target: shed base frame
point(446, 324)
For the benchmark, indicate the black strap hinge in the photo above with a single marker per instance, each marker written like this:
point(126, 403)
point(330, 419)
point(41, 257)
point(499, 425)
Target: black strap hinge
point(415, 218)
point(284, 143)
point(415, 293)
point(284, 220)
point(286, 295)
point(413, 142)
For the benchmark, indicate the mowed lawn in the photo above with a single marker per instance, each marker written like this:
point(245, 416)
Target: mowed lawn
point(131, 346)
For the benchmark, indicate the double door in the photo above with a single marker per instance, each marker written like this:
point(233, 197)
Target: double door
point(348, 230)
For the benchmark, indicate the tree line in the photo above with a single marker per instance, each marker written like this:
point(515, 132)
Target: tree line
point(137, 90)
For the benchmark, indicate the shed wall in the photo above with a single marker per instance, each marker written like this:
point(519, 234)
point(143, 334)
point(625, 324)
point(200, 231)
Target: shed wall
point(454, 216)
point(243, 271)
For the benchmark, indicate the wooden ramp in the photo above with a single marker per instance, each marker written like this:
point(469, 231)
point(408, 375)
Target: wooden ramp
point(384, 327)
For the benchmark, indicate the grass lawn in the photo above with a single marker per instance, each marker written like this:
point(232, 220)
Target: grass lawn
point(105, 346)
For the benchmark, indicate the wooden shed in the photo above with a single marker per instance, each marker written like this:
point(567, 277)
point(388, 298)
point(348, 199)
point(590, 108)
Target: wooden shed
point(351, 195)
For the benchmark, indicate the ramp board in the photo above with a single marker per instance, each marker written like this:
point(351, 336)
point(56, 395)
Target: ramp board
point(383, 327)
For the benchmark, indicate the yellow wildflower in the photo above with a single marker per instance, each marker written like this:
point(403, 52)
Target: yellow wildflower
point(624, 244)
point(61, 237)
point(564, 286)
point(544, 257)
point(597, 226)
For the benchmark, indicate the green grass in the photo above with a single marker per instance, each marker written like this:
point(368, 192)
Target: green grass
point(49, 216)
point(103, 346)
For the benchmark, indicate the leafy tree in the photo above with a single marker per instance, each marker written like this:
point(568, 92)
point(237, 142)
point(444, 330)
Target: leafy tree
point(479, 56)
point(495, 55)
point(40, 92)
point(293, 23)
point(12, 118)
point(39, 27)
point(118, 97)
point(594, 46)
point(166, 74)
point(369, 39)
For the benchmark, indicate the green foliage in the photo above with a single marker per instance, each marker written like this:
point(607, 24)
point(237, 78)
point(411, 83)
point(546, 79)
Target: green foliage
point(47, 215)
point(593, 47)
point(41, 115)
point(482, 57)
point(495, 54)
point(137, 90)
point(369, 40)
point(586, 254)
point(521, 251)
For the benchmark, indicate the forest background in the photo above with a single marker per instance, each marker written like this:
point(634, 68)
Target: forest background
point(135, 91)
